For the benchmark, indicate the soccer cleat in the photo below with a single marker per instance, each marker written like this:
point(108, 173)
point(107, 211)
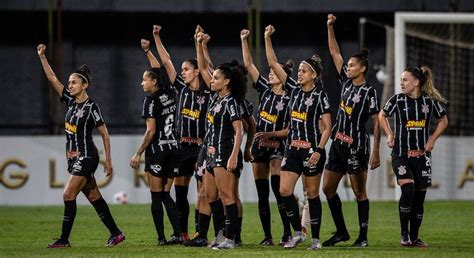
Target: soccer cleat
point(217, 240)
point(175, 240)
point(284, 239)
point(226, 244)
point(419, 243)
point(197, 242)
point(115, 240)
point(315, 244)
point(361, 243)
point(298, 238)
point(336, 238)
point(405, 241)
point(162, 242)
point(266, 242)
point(59, 243)
point(185, 236)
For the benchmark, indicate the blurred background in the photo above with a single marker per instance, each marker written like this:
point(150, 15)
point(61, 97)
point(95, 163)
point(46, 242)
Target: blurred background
point(106, 36)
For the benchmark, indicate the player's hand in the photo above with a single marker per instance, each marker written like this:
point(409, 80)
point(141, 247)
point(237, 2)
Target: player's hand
point(313, 160)
point(200, 37)
point(331, 19)
point(429, 146)
point(232, 163)
point(248, 155)
point(41, 49)
point(205, 38)
point(244, 34)
point(390, 141)
point(269, 30)
point(145, 45)
point(156, 30)
point(262, 136)
point(135, 161)
point(374, 160)
point(108, 169)
point(197, 30)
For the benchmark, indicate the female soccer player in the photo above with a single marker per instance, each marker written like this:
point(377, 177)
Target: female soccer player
point(160, 144)
point(193, 98)
point(350, 149)
point(82, 115)
point(305, 153)
point(412, 144)
point(268, 148)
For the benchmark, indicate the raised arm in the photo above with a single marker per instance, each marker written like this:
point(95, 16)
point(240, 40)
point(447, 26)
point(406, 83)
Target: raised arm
point(164, 56)
point(333, 47)
point(271, 56)
point(57, 85)
point(202, 64)
point(205, 50)
point(151, 58)
point(248, 62)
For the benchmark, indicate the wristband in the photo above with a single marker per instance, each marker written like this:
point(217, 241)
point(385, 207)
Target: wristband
point(320, 150)
point(148, 50)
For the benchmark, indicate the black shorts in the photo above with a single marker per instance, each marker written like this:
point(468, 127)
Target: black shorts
point(266, 154)
point(82, 166)
point(344, 159)
point(215, 159)
point(189, 155)
point(416, 168)
point(201, 163)
point(296, 160)
point(163, 164)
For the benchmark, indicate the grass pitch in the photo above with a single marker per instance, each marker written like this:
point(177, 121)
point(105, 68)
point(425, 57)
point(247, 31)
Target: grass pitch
point(448, 227)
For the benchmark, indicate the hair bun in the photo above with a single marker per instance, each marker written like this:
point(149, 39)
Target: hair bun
point(290, 64)
point(84, 70)
point(365, 52)
point(316, 58)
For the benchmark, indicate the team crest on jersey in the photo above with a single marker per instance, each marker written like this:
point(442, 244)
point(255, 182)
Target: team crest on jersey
point(356, 98)
point(80, 113)
point(402, 170)
point(155, 168)
point(217, 108)
point(425, 108)
point(280, 105)
point(309, 101)
point(163, 98)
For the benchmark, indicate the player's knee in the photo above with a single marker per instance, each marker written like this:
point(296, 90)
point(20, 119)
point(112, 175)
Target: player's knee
point(285, 191)
point(330, 192)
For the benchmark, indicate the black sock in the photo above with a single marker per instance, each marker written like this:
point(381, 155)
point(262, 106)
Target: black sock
point(204, 221)
point(238, 230)
point(263, 191)
point(196, 220)
point(172, 212)
point(231, 221)
point(182, 205)
point(404, 206)
point(275, 182)
point(103, 211)
point(363, 211)
point(315, 214)
point(157, 214)
point(70, 209)
point(335, 205)
point(292, 211)
point(417, 214)
point(217, 215)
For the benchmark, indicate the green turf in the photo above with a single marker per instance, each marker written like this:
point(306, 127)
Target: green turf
point(448, 227)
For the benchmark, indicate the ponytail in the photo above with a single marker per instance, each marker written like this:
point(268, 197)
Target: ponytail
point(425, 77)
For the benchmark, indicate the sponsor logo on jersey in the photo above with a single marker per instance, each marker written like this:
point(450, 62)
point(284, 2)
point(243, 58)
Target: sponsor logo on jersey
point(193, 114)
point(299, 116)
point(344, 138)
point(70, 128)
point(155, 168)
point(210, 118)
point(346, 109)
point(96, 115)
point(268, 117)
point(415, 124)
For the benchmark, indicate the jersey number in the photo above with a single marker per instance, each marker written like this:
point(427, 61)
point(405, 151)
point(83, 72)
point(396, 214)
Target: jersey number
point(169, 125)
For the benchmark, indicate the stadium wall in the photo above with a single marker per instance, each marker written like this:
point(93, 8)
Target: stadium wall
point(33, 172)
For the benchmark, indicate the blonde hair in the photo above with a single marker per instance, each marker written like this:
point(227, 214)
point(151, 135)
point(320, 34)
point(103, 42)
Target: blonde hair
point(425, 77)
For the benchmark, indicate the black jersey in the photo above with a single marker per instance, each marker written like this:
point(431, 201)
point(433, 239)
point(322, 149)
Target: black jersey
point(412, 121)
point(191, 112)
point(357, 104)
point(161, 106)
point(80, 120)
point(305, 111)
point(245, 108)
point(222, 112)
point(273, 108)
